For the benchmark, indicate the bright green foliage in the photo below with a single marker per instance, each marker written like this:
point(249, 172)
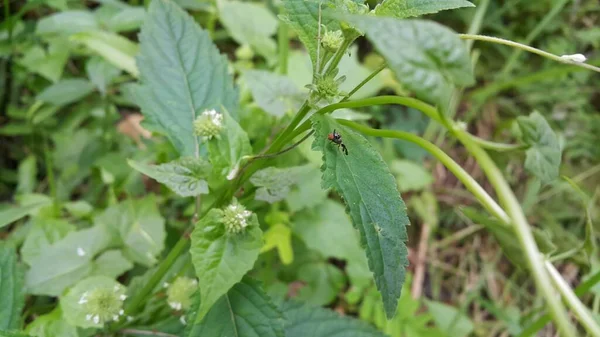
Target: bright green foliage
point(244, 311)
point(250, 23)
point(66, 91)
point(373, 201)
point(410, 176)
point(544, 153)
point(402, 9)
point(274, 183)
point(111, 263)
point(48, 63)
point(428, 58)
point(66, 23)
point(227, 149)
point(182, 75)
point(12, 334)
point(221, 258)
point(276, 94)
point(43, 233)
point(12, 297)
point(116, 49)
point(304, 320)
point(184, 176)
point(12, 214)
point(101, 73)
point(323, 282)
point(51, 325)
point(65, 262)
point(137, 227)
point(450, 320)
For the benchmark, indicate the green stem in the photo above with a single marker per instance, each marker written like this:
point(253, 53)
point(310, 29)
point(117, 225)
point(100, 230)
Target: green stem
point(585, 317)
point(499, 147)
point(50, 176)
point(337, 57)
point(471, 184)
point(522, 231)
point(365, 81)
point(283, 41)
point(527, 48)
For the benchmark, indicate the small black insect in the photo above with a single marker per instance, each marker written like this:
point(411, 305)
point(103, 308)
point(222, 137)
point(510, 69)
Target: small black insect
point(337, 139)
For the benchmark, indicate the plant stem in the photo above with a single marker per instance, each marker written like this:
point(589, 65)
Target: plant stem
point(527, 48)
point(572, 301)
point(50, 176)
point(499, 147)
point(522, 231)
point(146, 333)
point(337, 57)
point(365, 81)
point(283, 41)
point(471, 184)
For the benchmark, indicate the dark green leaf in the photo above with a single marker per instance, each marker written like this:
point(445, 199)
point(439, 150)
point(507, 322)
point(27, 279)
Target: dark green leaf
point(182, 74)
point(185, 176)
point(245, 311)
point(402, 9)
point(373, 201)
point(544, 153)
point(276, 94)
point(221, 258)
point(66, 91)
point(428, 58)
point(322, 282)
point(12, 297)
point(303, 320)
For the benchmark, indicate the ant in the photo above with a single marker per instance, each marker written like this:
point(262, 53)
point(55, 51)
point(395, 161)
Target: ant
point(337, 139)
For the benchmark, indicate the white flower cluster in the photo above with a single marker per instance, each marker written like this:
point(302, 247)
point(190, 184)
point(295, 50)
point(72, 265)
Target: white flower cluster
point(208, 124)
point(235, 218)
point(103, 305)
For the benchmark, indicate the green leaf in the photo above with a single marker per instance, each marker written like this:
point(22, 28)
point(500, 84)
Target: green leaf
point(184, 176)
point(373, 201)
point(114, 48)
point(48, 63)
point(308, 194)
point(66, 23)
point(589, 243)
point(66, 91)
point(221, 258)
point(12, 214)
point(12, 297)
point(101, 73)
point(245, 311)
point(126, 19)
point(27, 175)
point(51, 325)
point(74, 312)
point(79, 208)
point(410, 176)
point(322, 322)
point(279, 236)
point(323, 282)
point(276, 94)
point(182, 74)
point(544, 154)
point(426, 57)
point(65, 262)
point(12, 334)
point(303, 17)
point(250, 24)
point(449, 319)
point(43, 233)
point(111, 263)
point(137, 227)
point(402, 9)
point(226, 150)
point(274, 183)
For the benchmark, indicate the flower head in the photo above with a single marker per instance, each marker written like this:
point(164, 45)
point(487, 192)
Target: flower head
point(179, 293)
point(332, 40)
point(235, 218)
point(208, 124)
point(103, 304)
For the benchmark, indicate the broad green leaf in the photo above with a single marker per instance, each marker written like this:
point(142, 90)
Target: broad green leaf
point(250, 23)
point(449, 319)
point(65, 262)
point(245, 311)
point(402, 9)
point(51, 325)
point(43, 233)
point(276, 94)
point(12, 334)
point(221, 258)
point(12, 297)
point(544, 154)
point(101, 73)
point(12, 214)
point(66, 91)
point(274, 183)
point(126, 19)
point(184, 176)
point(428, 58)
point(323, 282)
point(27, 175)
point(373, 201)
point(74, 312)
point(79, 208)
point(66, 23)
point(226, 150)
point(328, 230)
point(137, 227)
point(48, 62)
point(410, 176)
point(114, 48)
point(182, 74)
point(279, 236)
point(111, 263)
point(309, 193)
point(303, 320)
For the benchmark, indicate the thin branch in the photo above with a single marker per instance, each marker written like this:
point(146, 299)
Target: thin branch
point(146, 333)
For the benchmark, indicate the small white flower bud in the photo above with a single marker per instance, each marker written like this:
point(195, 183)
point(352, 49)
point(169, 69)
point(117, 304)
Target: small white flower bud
point(332, 40)
point(179, 294)
point(208, 125)
point(577, 58)
point(235, 218)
